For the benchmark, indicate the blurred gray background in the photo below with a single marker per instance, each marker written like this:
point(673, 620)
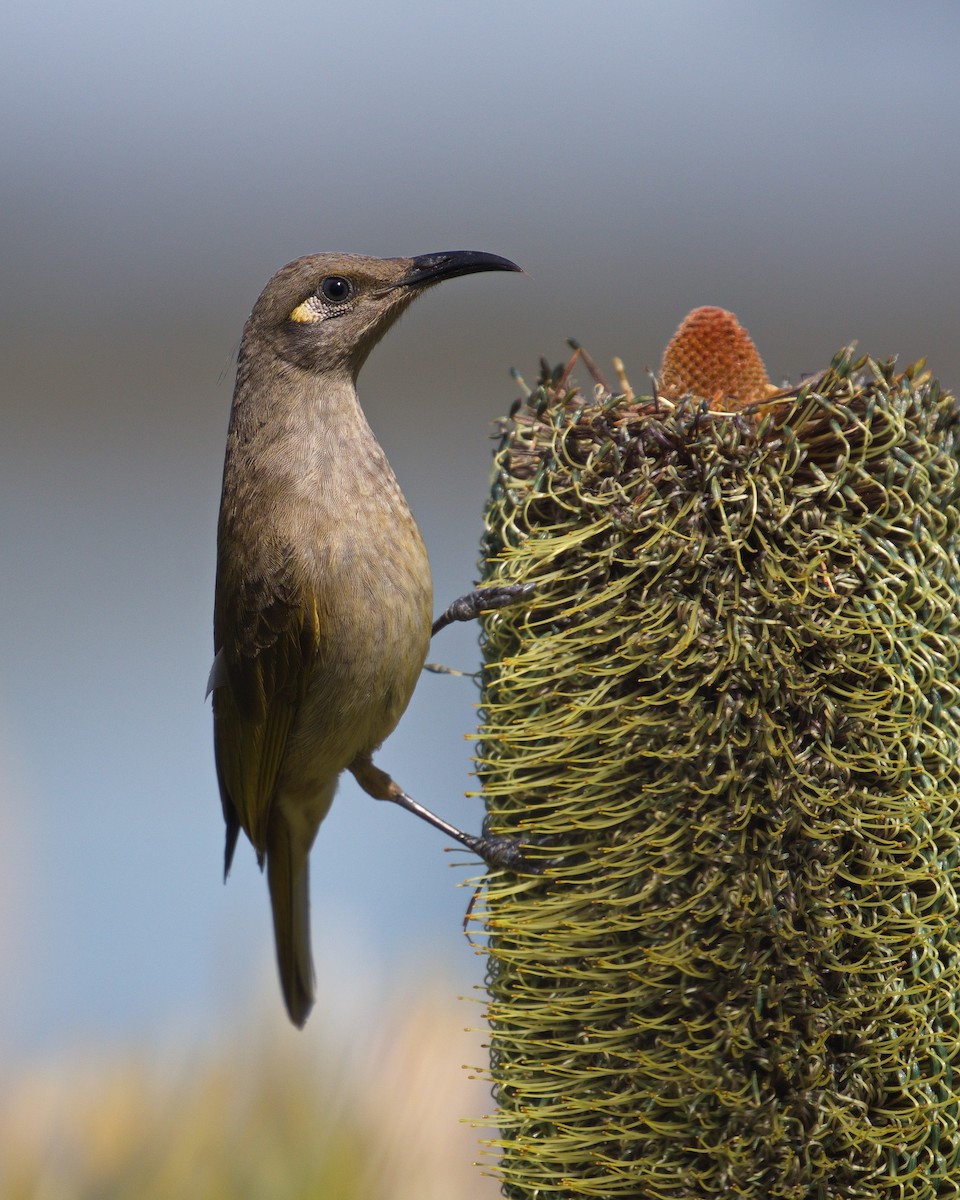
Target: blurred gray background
point(798, 164)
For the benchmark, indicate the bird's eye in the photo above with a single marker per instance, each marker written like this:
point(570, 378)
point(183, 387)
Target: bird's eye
point(336, 289)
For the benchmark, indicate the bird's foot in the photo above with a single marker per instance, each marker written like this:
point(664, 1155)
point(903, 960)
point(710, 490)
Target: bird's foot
point(481, 600)
point(501, 852)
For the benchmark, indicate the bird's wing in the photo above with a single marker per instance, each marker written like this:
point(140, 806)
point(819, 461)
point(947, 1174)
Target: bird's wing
point(267, 634)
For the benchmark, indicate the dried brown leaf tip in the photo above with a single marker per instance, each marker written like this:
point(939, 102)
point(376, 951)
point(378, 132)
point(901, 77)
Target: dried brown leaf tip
point(712, 355)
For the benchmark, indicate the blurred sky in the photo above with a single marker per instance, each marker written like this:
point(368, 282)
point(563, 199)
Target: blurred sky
point(799, 164)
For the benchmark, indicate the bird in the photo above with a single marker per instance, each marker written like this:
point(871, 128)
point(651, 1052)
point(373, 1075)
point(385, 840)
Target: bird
point(323, 599)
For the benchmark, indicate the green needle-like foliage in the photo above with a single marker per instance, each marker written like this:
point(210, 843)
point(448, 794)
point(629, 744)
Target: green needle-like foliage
point(727, 724)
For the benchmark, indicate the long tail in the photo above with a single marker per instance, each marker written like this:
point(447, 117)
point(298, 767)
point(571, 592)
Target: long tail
point(288, 876)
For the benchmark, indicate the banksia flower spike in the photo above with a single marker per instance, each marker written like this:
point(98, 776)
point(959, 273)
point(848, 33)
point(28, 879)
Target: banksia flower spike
point(712, 355)
point(727, 725)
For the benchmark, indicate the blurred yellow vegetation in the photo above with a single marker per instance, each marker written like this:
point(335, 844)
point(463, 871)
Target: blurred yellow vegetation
point(335, 1113)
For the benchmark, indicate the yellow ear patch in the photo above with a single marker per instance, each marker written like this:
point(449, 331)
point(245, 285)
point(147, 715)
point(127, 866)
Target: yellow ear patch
point(307, 313)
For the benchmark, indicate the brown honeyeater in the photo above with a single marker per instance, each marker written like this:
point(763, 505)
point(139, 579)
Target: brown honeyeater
point(323, 595)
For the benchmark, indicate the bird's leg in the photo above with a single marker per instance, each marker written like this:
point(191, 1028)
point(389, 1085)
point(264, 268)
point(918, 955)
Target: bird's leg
point(494, 850)
point(481, 600)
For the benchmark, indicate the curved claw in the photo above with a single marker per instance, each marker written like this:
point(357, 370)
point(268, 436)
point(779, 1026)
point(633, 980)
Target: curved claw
point(499, 851)
point(481, 600)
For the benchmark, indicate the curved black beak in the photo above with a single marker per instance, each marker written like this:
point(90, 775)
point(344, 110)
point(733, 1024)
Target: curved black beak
point(432, 268)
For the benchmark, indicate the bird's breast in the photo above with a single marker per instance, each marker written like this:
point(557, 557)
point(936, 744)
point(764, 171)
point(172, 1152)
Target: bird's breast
point(371, 577)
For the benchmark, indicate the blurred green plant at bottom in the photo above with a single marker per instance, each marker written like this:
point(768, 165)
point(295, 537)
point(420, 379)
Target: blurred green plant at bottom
point(268, 1115)
point(728, 725)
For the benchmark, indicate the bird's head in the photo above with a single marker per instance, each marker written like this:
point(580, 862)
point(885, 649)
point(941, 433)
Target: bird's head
point(326, 312)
